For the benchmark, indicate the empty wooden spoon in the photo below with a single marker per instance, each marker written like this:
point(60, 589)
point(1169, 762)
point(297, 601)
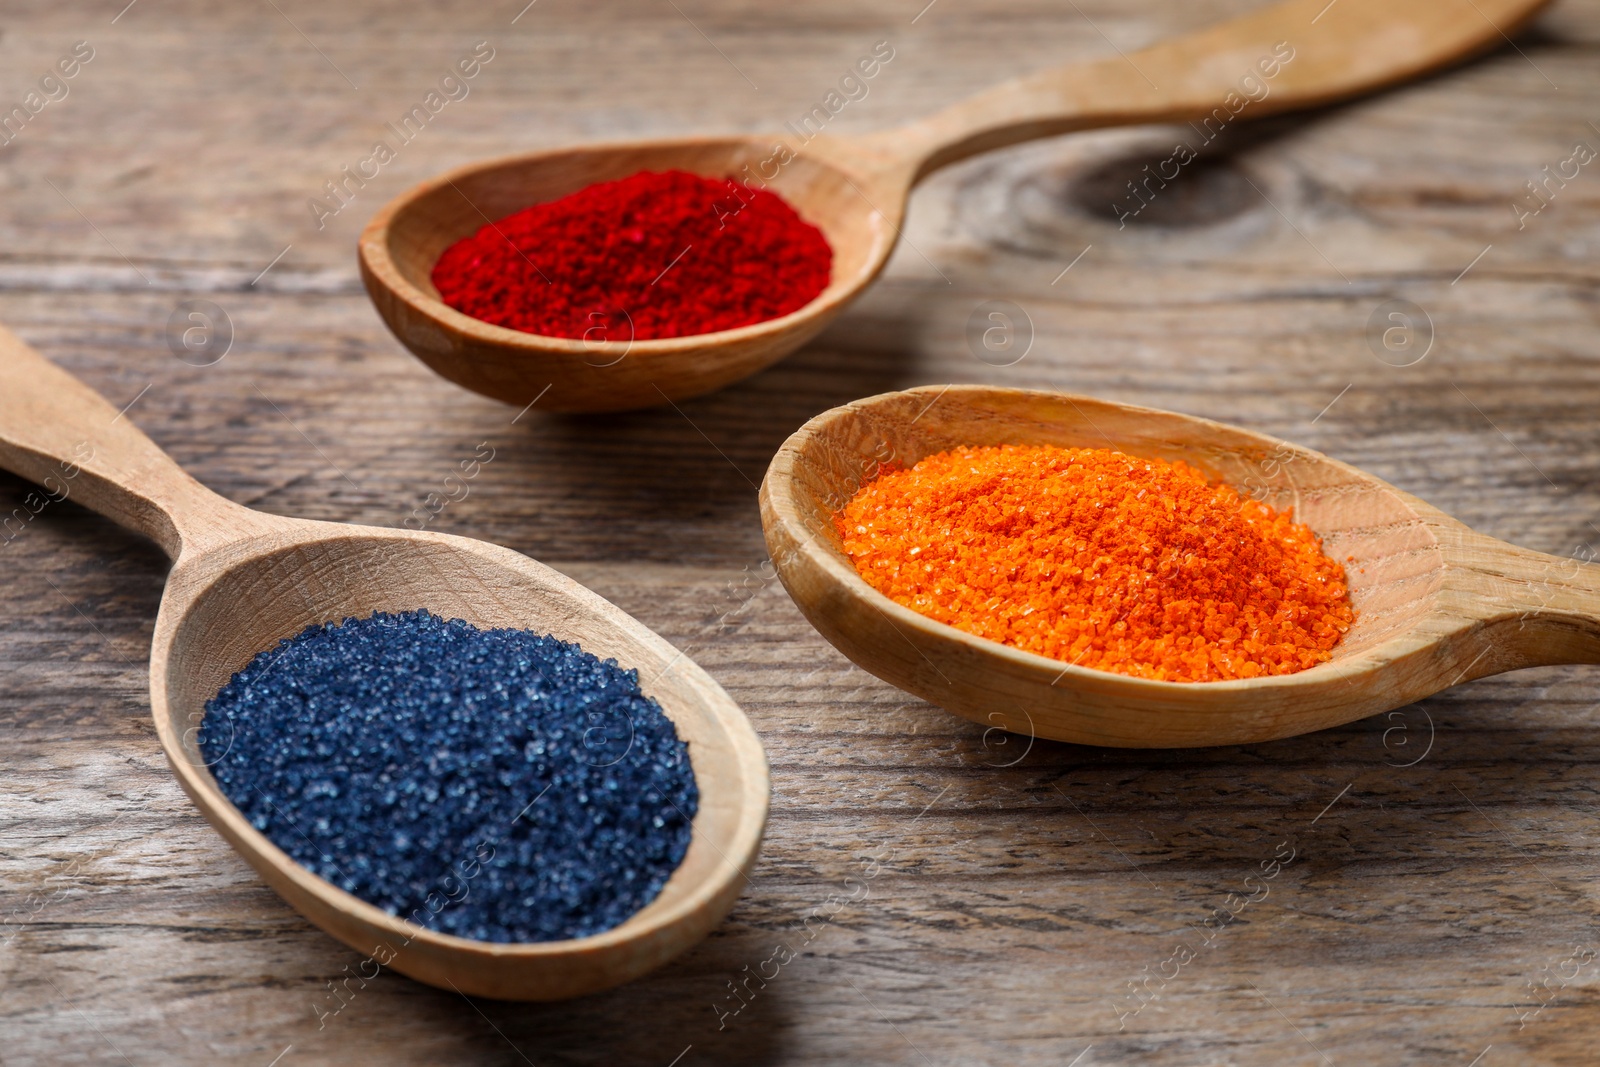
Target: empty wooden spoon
point(242, 580)
point(855, 189)
point(1436, 603)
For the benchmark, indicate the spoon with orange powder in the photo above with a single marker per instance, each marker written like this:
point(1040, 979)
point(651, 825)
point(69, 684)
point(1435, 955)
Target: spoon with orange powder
point(1430, 602)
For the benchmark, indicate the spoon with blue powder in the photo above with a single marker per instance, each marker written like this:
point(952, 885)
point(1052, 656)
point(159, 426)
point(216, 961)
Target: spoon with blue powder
point(457, 761)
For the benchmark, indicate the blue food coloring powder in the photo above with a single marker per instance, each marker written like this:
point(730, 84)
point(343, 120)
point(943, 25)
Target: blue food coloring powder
point(491, 784)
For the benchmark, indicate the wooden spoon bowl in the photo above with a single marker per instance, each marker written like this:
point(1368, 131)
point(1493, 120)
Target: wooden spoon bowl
point(1436, 603)
point(242, 581)
point(855, 189)
point(405, 239)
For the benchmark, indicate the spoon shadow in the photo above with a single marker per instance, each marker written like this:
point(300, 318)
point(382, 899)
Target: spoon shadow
point(693, 469)
point(602, 1029)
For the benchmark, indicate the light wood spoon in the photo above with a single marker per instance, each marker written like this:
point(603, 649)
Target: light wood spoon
point(1436, 603)
point(242, 580)
point(855, 189)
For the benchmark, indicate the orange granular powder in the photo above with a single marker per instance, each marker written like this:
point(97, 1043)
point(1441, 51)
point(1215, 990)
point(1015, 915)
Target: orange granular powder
point(1102, 559)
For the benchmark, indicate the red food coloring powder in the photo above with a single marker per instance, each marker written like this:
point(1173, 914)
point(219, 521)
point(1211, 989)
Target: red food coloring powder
point(651, 256)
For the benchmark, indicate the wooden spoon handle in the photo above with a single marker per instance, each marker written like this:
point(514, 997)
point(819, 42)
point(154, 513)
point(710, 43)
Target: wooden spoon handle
point(1537, 609)
point(59, 433)
point(1302, 53)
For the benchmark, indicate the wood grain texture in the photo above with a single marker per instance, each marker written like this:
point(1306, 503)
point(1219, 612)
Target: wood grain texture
point(1010, 906)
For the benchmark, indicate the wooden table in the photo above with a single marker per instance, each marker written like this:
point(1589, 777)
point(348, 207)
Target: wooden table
point(972, 898)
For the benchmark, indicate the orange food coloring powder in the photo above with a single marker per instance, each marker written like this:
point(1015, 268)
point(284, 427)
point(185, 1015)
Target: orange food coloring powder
point(1106, 560)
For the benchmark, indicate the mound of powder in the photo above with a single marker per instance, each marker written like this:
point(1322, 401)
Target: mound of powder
point(492, 784)
point(1101, 559)
point(650, 256)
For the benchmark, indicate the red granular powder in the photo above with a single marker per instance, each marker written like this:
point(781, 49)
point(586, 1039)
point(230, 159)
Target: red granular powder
point(1102, 559)
point(650, 256)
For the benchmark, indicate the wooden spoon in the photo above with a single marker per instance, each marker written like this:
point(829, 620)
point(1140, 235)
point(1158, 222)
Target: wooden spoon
point(1436, 603)
point(855, 189)
point(242, 580)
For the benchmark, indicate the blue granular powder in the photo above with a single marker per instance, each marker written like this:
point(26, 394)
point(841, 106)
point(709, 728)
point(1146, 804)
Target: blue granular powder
point(492, 784)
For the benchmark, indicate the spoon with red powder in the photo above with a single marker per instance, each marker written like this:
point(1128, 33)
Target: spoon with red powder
point(609, 277)
point(1085, 571)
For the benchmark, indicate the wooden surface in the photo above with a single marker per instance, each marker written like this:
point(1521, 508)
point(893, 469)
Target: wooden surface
point(1440, 903)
